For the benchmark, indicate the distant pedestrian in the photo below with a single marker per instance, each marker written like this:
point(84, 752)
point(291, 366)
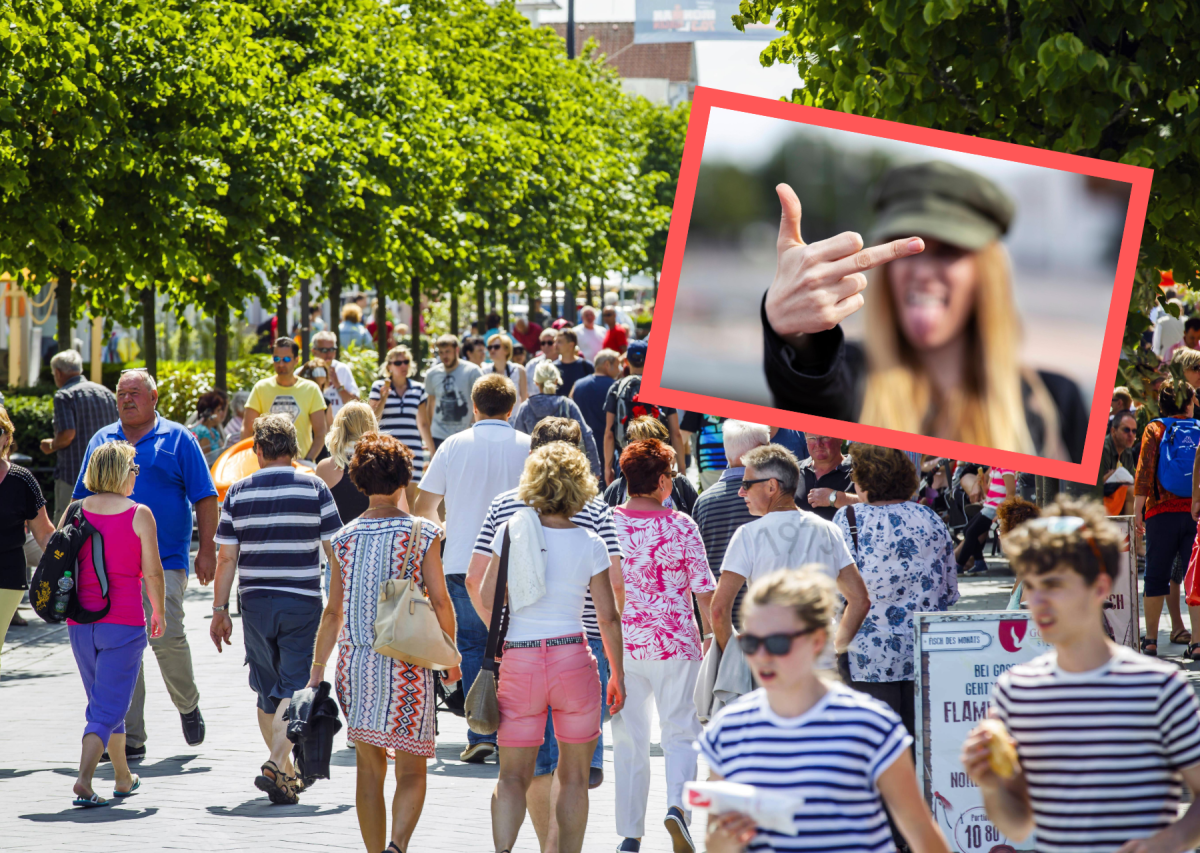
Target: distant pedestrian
point(617, 336)
point(590, 392)
point(401, 405)
point(500, 350)
point(474, 350)
point(279, 585)
point(571, 363)
point(342, 387)
point(683, 494)
point(624, 403)
point(388, 704)
point(81, 409)
point(710, 447)
point(109, 651)
point(300, 400)
point(354, 421)
point(211, 408)
point(546, 403)
point(526, 333)
point(174, 481)
point(825, 477)
point(547, 351)
point(351, 330)
point(448, 384)
point(590, 336)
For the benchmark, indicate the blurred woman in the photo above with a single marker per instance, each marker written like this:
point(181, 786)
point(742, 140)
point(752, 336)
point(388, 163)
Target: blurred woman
point(905, 554)
point(237, 409)
point(683, 494)
point(845, 754)
point(664, 568)
point(500, 350)
point(109, 651)
point(546, 659)
point(545, 402)
point(401, 406)
point(388, 704)
point(352, 330)
point(943, 354)
point(211, 409)
point(21, 505)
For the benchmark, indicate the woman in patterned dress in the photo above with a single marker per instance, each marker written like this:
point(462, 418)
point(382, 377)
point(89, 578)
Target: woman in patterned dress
point(388, 704)
point(664, 567)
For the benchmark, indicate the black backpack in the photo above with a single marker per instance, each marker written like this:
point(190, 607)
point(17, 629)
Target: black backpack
point(62, 556)
point(630, 405)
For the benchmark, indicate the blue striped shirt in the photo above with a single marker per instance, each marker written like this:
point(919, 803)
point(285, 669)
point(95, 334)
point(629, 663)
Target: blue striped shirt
point(832, 756)
point(278, 518)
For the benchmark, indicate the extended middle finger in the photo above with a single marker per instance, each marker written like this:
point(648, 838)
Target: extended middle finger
point(875, 256)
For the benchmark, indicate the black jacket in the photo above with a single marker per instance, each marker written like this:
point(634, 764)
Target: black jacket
point(312, 723)
point(827, 380)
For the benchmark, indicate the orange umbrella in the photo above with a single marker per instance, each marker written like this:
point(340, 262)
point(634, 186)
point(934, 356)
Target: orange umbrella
point(235, 463)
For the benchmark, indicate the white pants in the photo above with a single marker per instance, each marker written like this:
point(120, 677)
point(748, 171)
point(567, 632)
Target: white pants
point(670, 683)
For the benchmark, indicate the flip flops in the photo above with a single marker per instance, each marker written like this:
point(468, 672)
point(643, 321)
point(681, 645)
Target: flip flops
point(95, 801)
point(137, 783)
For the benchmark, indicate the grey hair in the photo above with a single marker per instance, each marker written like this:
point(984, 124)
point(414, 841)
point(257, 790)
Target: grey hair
point(145, 377)
point(325, 335)
point(740, 437)
point(67, 361)
point(275, 436)
point(605, 356)
point(774, 460)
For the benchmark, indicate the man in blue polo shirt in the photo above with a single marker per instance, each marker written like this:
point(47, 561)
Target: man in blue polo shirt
point(173, 479)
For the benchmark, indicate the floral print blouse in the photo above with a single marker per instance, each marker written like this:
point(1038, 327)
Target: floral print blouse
point(906, 558)
point(663, 564)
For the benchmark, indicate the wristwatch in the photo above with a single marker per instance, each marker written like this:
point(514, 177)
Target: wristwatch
point(223, 607)
point(833, 497)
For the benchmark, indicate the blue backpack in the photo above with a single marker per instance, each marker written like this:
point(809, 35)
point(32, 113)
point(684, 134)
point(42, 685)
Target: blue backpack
point(1177, 454)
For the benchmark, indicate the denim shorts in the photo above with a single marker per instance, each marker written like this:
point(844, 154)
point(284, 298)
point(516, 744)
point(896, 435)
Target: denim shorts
point(279, 634)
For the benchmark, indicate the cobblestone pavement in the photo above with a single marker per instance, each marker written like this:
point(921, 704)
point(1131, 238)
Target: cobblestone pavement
point(204, 797)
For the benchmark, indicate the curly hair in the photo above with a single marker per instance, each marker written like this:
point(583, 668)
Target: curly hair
point(884, 474)
point(557, 480)
point(644, 463)
point(381, 464)
point(1090, 545)
point(1014, 512)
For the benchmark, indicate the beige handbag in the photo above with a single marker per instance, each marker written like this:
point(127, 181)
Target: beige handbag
point(406, 627)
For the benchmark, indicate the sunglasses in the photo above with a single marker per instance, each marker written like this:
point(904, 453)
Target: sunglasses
point(400, 362)
point(746, 484)
point(1127, 430)
point(547, 343)
point(324, 349)
point(494, 347)
point(285, 359)
point(135, 469)
point(777, 644)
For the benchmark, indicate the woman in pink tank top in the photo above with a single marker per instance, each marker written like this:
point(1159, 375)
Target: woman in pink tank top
point(109, 650)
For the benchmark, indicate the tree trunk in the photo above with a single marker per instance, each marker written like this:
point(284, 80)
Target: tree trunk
point(454, 309)
point(587, 289)
point(305, 322)
point(381, 346)
point(553, 300)
point(221, 347)
point(504, 305)
point(281, 309)
point(414, 293)
point(62, 293)
point(569, 310)
point(480, 307)
point(335, 298)
point(149, 333)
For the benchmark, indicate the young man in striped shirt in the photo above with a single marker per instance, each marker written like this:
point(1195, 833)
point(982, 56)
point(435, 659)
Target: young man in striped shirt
point(1104, 736)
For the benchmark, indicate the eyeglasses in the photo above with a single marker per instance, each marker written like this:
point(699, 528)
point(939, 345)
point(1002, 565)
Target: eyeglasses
point(1061, 525)
point(494, 347)
point(324, 349)
point(400, 362)
point(134, 469)
point(746, 484)
point(286, 359)
point(777, 644)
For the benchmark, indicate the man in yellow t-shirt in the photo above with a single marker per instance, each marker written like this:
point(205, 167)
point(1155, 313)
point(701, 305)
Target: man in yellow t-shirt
point(284, 394)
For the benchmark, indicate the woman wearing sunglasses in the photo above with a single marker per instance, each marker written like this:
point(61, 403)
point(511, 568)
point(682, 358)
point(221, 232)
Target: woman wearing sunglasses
point(841, 751)
point(500, 350)
point(402, 408)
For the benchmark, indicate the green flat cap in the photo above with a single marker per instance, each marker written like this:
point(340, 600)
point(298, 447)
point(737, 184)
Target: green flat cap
point(941, 201)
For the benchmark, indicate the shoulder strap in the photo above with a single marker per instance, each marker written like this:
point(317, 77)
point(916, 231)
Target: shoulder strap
point(850, 517)
point(414, 540)
point(499, 624)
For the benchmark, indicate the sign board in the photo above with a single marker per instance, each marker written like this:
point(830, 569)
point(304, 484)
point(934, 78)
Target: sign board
point(660, 21)
point(1122, 617)
point(959, 657)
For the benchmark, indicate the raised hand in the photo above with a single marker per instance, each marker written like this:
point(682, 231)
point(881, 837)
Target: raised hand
point(817, 285)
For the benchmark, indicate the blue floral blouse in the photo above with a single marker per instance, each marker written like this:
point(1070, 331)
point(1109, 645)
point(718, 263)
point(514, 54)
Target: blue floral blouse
point(906, 557)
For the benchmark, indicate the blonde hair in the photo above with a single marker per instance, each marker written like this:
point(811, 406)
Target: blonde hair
point(505, 343)
point(989, 409)
point(557, 480)
point(109, 467)
point(808, 591)
point(352, 312)
point(7, 424)
point(353, 421)
point(399, 349)
point(1186, 357)
point(644, 427)
point(547, 377)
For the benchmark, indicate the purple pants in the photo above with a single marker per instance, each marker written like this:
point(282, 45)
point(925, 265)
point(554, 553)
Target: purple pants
point(109, 658)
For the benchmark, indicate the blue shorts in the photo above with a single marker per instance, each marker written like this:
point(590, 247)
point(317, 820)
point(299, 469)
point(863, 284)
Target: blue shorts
point(279, 632)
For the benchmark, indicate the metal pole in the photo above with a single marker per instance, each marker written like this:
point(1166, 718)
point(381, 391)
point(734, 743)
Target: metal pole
point(570, 29)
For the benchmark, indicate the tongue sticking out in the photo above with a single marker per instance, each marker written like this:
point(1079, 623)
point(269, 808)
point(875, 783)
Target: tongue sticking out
point(924, 314)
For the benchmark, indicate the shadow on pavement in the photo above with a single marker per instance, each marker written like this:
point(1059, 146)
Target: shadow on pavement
point(166, 767)
point(12, 773)
point(264, 808)
point(107, 814)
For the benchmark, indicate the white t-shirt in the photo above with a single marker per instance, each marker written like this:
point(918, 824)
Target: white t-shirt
point(788, 540)
point(591, 341)
point(573, 557)
point(471, 468)
point(1168, 332)
point(346, 377)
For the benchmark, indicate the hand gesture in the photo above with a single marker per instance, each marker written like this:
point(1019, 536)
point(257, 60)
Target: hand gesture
point(158, 625)
point(221, 628)
point(818, 285)
point(730, 832)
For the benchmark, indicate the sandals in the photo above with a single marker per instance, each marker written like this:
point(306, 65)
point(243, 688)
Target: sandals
point(272, 782)
point(92, 802)
point(1191, 654)
point(1149, 647)
point(1183, 637)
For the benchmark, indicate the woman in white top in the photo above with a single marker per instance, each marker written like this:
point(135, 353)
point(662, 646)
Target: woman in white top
point(546, 660)
point(500, 350)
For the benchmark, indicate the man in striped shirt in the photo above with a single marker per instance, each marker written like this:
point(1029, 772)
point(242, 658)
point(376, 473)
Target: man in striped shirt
point(274, 525)
point(1104, 736)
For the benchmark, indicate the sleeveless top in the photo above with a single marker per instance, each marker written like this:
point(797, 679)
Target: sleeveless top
point(351, 503)
point(123, 562)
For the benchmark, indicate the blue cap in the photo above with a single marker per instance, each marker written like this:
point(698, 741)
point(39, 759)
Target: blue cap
point(636, 353)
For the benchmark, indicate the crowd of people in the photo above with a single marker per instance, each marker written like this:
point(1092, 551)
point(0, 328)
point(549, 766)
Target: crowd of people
point(543, 512)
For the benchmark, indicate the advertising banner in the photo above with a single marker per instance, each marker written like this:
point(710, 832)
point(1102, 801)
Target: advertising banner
point(1122, 613)
point(959, 657)
point(693, 20)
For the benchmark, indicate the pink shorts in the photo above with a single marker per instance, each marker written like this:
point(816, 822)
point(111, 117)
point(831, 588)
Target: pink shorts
point(564, 678)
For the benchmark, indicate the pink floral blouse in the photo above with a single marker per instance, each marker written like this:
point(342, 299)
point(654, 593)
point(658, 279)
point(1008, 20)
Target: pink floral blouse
point(664, 562)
